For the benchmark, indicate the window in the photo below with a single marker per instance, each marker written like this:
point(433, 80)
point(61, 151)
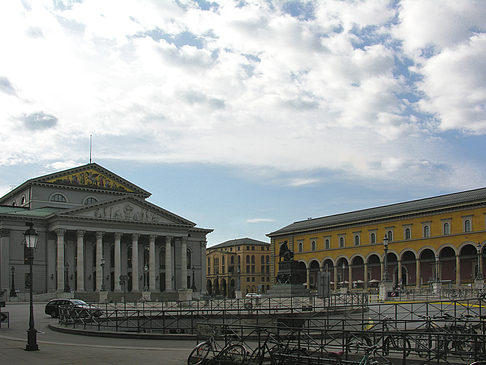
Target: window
point(90, 200)
point(58, 198)
point(446, 228)
point(313, 245)
point(301, 247)
point(389, 234)
point(253, 248)
point(22, 201)
point(327, 243)
point(373, 238)
point(209, 265)
point(467, 225)
point(356, 240)
point(341, 242)
point(426, 231)
point(408, 234)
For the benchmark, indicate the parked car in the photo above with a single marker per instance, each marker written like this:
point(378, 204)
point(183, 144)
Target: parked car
point(253, 295)
point(77, 306)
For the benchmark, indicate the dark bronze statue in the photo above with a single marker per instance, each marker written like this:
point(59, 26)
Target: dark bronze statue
point(285, 253)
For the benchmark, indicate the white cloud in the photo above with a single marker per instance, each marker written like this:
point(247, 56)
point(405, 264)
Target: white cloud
point(260, 220)
point(259, 88)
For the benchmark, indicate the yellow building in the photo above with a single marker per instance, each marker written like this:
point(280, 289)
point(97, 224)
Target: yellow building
point(438, 238)
point(238, 266)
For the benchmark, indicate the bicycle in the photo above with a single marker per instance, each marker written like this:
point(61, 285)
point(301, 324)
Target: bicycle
point(467, 339)
point(434, 339)
point(369, 357)
point(390, 342)
point(234, 353)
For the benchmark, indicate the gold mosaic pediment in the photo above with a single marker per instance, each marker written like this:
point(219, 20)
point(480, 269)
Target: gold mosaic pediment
point(90, 178)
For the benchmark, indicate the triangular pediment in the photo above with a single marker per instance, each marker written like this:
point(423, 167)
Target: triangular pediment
point(91, 176)
point(128, 209)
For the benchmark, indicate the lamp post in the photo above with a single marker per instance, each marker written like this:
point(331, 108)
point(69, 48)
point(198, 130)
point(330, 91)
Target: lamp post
point(12, 290)
point(102, 263)
point(66, 278)
point(437, 266)
point(385, 259)
point(145, 272)
point(31, 237)
point(479, 275)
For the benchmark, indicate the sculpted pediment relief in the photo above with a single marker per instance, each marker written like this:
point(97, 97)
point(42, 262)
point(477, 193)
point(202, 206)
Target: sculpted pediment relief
point(126, 211)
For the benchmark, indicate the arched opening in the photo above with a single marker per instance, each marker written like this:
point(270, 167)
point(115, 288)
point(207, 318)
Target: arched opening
point(209, 287)
point(427, 264)
point(357, 267)
point(374, 270)
point(313, 274)
point(447, 264)
point(392, 267)
point(469, 263)
point(409, 268)
point(343, 272)
point(301, 273)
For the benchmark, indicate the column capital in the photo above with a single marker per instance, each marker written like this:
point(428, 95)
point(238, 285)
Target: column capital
point(99, 235)
point(60, 231)
point(152, 237)
point(135, 236)
point(118, 235)
point(80, 233)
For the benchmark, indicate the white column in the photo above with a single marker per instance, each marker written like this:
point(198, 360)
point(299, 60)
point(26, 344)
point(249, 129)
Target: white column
point(350, 276)
point(80, 261)
point(152, 263)
point(365, 275)
point(458, 270)
point(399, 268)
point(99, 255)
point(184, 263)
point(60, 259)
point(168, 263)
point(117, 263)
point(135, 278)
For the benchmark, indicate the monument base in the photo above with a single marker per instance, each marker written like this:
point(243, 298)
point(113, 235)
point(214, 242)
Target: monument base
point(238, 294)
point(478, 284)
point(436, 287)
point(385, 287)
point(287, 291)
point(185, 294)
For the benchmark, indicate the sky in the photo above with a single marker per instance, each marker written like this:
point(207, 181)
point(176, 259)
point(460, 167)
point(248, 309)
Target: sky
point(244, 116)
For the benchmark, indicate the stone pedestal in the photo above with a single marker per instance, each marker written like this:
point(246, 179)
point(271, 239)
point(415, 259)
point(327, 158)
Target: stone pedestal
point(385, 287)
point(146, 296)
point(184, 294)
point(343, 290)
point(479, 284)
point(238, 294)
point(103, 296)
point(287, 291)
point(436, 287)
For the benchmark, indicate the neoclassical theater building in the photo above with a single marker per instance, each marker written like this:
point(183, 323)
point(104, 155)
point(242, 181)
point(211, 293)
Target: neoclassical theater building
point(94, 228)
point(436, 239)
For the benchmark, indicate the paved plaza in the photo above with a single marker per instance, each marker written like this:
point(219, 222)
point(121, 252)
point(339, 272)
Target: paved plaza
point(62, 348)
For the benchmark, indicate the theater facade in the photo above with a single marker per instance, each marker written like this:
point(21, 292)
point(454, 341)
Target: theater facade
point(436, 239)
point(98, 234)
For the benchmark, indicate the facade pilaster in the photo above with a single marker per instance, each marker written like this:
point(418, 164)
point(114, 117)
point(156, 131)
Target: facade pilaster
point(117, 263)
point(80, 261)
point(307, 274)
point(135, 279)
point(99, 255)
point(458, 270)
point(350, 276)
point(152, 263)
point(60, 259)
point(365, 275)
point(168, 263)
point(417, 273)
point(335, 277)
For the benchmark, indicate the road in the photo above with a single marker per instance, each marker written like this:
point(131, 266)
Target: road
point(62, 348)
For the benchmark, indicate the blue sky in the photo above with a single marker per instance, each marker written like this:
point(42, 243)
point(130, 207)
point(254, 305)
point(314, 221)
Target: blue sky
point(245, 116)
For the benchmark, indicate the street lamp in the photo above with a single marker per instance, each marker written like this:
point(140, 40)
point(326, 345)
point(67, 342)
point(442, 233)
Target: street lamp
point(385, 260)
point(479, 275)
point(145, 281)
point(102, 274)
point(31, 237)
point(12, 291)
point(66, 278)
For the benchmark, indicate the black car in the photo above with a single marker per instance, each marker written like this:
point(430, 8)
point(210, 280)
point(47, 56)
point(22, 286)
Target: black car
point(75, 306)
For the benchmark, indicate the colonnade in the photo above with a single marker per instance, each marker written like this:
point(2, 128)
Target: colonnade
point(168, 243)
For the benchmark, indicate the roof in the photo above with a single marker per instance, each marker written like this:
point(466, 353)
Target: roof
point(40, 212)
point(239, 242)
point(388, 211)
point(89, 176)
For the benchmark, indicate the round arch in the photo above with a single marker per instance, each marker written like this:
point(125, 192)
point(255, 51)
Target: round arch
point(313, 273)
point(408, 258)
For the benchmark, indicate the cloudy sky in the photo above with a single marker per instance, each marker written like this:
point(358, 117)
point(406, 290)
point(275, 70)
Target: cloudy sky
point(245, 116)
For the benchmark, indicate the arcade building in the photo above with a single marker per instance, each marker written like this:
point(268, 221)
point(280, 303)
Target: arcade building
point(99, 239)
point(439, 239)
